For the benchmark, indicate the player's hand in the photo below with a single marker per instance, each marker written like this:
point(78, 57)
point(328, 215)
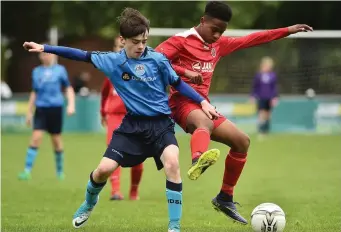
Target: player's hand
point(70, 110)
point(33, 47)
point(299, 28)
point(209, 110)
point(104, 121)
point(195, 77)
point(274, 102)
point(29, 119)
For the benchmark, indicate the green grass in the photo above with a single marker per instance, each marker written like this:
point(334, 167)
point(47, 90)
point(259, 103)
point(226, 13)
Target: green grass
point(300, 173)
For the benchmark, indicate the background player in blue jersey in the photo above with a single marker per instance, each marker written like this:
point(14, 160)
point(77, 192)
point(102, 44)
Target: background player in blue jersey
point(47, 99)
point(141, 77)
point(265, 93)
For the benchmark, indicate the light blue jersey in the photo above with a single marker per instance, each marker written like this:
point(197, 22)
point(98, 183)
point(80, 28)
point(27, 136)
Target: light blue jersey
point(141, 83)
point(47, 84)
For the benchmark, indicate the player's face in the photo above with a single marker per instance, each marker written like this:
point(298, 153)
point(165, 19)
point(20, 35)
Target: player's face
point(135, 46)
point(211, 29)
point(266, 66)
point(118, 44)
point(46, 58)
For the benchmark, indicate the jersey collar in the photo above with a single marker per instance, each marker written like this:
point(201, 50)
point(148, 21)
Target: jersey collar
point(195, 32)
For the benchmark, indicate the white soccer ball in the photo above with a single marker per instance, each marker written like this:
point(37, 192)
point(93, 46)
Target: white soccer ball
point(268, 217)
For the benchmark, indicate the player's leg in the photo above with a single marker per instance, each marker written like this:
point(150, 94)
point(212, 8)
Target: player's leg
point(200, 126)
point(115, 185)
point(136, 174)
point(267, 116)
point(54, 124)
point(228, 134)
point(166, 154)
point(57, 144)
point(170, 160)
point(39, 125)
point(31, 154)
point(94, 186)
point(117, 154)
point(113, 121)
point(263, 117)
point(264, 122)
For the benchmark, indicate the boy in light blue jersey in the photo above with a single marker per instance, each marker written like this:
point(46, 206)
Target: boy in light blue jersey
point(140, 76)
point(47, 98)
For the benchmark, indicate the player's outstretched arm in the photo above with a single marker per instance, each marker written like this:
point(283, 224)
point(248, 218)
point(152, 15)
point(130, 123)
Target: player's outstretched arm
point(104, 61)
point(229, 44)
point(66, 52)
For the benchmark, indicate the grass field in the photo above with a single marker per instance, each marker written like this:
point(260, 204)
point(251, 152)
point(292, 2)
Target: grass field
point(300, 173)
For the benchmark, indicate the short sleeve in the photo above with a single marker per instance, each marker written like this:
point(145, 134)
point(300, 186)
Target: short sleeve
point(104, 61)
point(168, 74)
point(34, 80)
point(64, 77)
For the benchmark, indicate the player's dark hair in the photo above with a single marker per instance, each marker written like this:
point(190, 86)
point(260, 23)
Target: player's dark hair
point(219, 10)
point(132, 23)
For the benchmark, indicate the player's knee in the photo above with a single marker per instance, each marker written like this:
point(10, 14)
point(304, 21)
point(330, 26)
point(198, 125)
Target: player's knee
point(102, 172)
point(36, 140)
point(241, 143)
point(172, 166)
point(205, 123)
point(57, 142)
point(245, 143)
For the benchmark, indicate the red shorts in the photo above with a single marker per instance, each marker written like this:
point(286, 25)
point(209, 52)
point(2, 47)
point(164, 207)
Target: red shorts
point(113, 122)
point(181, 107)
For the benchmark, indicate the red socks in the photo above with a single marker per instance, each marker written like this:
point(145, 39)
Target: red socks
point(199, 142)
point(115, 181)
point(136, 174)
point(234, 164)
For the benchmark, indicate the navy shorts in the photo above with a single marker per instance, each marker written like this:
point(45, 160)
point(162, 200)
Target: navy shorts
point(139, 138)
point(264, 104)
point(49, 119)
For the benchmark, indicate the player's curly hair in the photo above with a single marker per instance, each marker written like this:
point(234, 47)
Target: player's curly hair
point(132, 23)
point(219, 10)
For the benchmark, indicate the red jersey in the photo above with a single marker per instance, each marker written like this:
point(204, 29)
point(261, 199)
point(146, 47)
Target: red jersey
point(187, 50)
point(111, 103)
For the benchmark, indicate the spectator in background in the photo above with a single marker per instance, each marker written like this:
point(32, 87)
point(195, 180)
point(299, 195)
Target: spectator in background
point(113, 112)
point(80, 83)
point(264, 92)
point(6, 92)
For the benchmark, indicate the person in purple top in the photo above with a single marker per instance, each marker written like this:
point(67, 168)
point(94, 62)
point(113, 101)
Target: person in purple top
point(265, 93)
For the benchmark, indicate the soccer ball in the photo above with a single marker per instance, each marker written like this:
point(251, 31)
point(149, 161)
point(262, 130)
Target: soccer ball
point(268, 217)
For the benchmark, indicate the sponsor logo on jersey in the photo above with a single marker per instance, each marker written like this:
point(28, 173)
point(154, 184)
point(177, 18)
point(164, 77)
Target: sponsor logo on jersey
point(196, 66)
point(202, 67)
point(144, 79)
point(126, 76)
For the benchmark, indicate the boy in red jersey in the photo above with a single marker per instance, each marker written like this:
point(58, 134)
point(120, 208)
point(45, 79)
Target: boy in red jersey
point(112, 112)
point(194, 55)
